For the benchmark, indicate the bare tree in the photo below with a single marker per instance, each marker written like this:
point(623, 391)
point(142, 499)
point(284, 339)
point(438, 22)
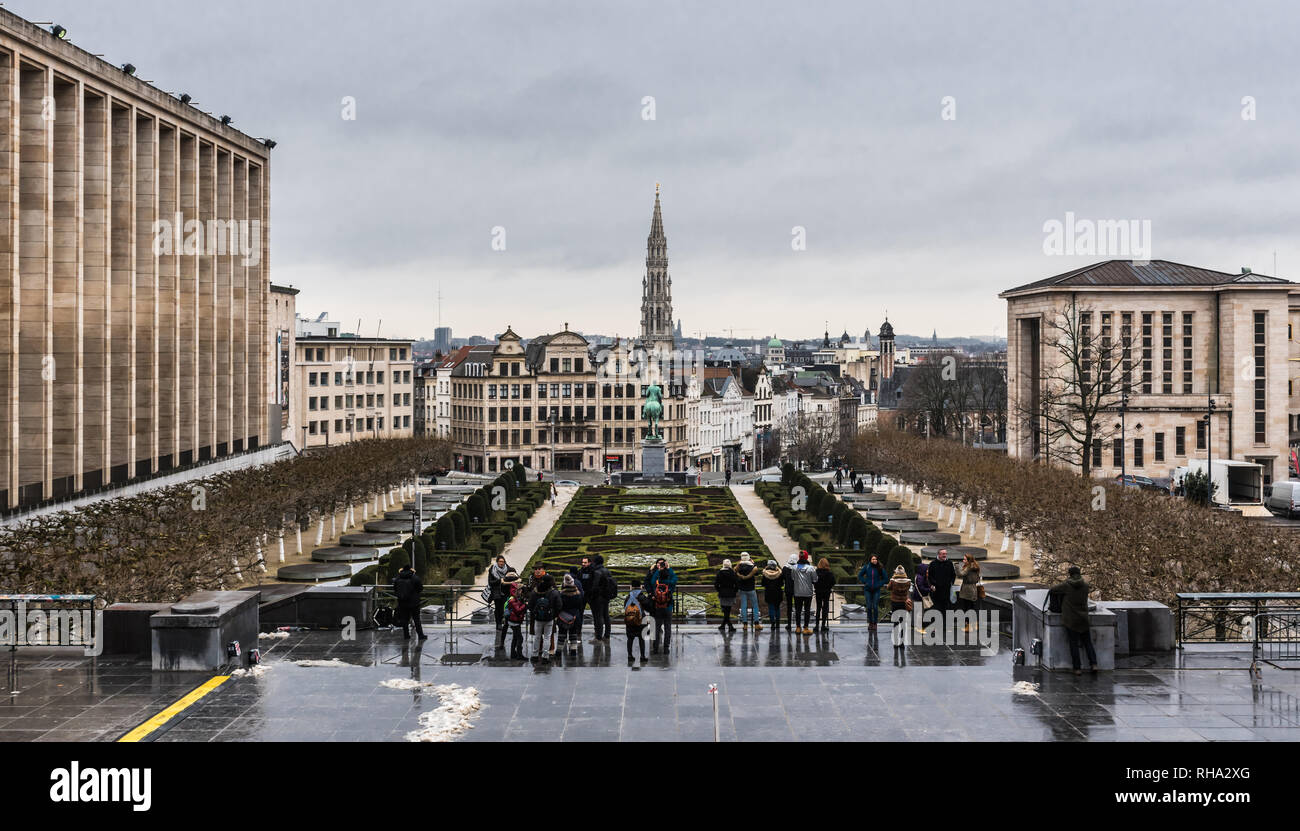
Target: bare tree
point(1082, 377)
point(809, 437)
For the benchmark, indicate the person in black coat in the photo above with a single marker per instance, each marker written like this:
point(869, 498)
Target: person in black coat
point(600, 595)
point(407, 588)
point(823, 583)
point(727, 586)
point(788, 573)
point(942, 575)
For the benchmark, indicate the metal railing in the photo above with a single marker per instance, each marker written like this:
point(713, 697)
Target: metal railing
point(1269, 622)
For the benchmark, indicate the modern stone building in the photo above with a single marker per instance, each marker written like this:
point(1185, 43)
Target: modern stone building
point(353, 388)
point(1183, 337)
point(134, 276)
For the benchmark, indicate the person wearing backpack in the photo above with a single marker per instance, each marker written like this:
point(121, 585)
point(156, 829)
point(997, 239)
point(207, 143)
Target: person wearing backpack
point(873, 579)
point(725, 584)
point(569, 619)
point(544, 606)
point(509, 584)
point(634, 620)
point(604, 588)
point(407, 588)
point(663, 582)
point(746, 575)
point(516, 614)
point(804, 578)
point(773, 592)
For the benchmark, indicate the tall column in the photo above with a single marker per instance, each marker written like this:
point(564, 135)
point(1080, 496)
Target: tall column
point(35, 340)
point(187, 264)
point(64, 374)
point(122, 290)
point(207, 375)
point(97, 321)
point(223, 262)
point(261, 401)
point(10, 140)
point(169, 307)
point(145, 460)
point(239, 317)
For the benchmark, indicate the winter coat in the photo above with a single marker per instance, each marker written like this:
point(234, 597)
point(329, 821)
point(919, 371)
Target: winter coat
point(571, 601)
point(585, 578)
point(603, 586)
point(726, 585)
point(803, 577)
point(941, 574)
point(773, 586)
point(825, 581)
point(552, 604)
point(1074, 606)
point(495, 586)
point(787, 575)
point(921, 586)
point(653, 579)
point(898, 589)
point(970, 580)
point(746, 573)
point(407, 587)
point(872, 577)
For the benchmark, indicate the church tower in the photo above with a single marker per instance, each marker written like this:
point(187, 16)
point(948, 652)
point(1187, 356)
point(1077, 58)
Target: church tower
point(886, 350)
point(656, 288)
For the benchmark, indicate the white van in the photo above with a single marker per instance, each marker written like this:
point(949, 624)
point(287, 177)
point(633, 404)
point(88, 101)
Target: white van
point(1285, 498)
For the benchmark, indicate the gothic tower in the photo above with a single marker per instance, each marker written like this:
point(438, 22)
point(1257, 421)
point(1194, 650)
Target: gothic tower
point(886, 349)
point(656, 288)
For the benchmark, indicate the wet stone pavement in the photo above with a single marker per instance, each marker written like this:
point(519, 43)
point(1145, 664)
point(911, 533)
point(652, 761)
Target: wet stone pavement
point(845, 686)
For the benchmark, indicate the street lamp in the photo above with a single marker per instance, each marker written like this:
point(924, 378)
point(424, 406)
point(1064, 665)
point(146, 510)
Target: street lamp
point(1123, 442)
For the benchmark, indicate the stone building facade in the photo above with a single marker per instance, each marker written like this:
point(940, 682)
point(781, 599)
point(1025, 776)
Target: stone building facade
point(123, 358)
point(352, 388)
point(1186, 336)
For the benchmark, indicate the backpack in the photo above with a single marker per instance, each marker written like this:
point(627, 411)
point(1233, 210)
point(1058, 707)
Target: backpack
point(663, 595)
point(610, 585)
point(632, 614)
point(543, 611)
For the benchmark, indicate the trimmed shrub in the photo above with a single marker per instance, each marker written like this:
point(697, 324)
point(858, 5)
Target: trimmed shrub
point(397, 559)
point(885, 546)
point(477, 507)
point(901, 555)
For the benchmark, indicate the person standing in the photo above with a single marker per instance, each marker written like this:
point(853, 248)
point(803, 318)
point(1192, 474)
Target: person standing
point(509, 583)
point(804, 578)
point(602, 593)
point(900, 589)
point(554, 493)
point(872, 577)
point(498, 593)
point(788, 574)
point(921, 585)
point(569, 618)
point(972, 588)
point(942, 575)
point(728, 477)
point(746, 575)
point(634, 620)
point(516, 614)
point(407, 588)
point(823, 584)
point(724, 583)
point(544, 606)
point(1074, 617)
point(585, 576)
point(773, 592)
point(839, 476)
point(663, 582)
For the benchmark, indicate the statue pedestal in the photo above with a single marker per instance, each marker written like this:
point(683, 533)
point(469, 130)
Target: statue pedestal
point(653, 459)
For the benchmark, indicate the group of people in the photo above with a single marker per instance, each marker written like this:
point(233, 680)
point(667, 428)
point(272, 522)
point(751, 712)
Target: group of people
point(795, 586)
point(939, 585)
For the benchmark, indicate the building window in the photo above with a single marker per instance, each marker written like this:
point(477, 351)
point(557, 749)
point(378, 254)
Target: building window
point(1261, 319)
point(1137, 452)
point(1126, 341)
point(1187, 353)
point(1117, 453)
point(1146, 353)
point(1160, 447)
point(1167, 352)
point(1085, 340)
point(1200, 434)
point(555, 364)
point(1096, 452)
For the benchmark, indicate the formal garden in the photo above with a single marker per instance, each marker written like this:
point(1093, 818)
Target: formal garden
point(694, 528)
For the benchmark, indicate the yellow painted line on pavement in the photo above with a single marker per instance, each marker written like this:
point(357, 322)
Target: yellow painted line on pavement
point(175, 709)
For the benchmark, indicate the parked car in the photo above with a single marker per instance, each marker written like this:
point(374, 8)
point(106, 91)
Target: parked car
point(1146, 483)
point(566, 482)
point(1284, 500)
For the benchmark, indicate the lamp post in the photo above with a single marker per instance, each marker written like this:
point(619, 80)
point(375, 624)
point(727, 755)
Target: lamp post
point(554, 439)
point(1123, 442)
point(1209, 445)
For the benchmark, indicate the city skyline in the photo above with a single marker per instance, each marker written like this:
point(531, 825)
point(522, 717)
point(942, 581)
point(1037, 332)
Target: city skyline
point(833, 121)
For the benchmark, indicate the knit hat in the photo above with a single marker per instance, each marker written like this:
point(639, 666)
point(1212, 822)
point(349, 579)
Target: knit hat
point(899, 571)
point(510, 576)
point(568, 581)
point(744, 557)
point(794, 558)
point(726, 563)
point(771, 563)
point(803, 556)
point(1074, 571)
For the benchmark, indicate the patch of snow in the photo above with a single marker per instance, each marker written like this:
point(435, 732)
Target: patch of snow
point(453, 715)
point(1024, 688)
point(402, 684)
point(255, 671)
point(272, 635)
point(329, 662)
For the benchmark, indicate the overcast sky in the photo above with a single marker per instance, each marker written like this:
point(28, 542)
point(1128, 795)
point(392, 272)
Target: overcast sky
point(528, 116)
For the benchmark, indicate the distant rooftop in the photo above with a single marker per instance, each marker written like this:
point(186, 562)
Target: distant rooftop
point(1156, 273)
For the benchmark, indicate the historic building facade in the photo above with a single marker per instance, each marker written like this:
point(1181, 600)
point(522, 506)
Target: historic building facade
point(353, 388)
point(1184, 337)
